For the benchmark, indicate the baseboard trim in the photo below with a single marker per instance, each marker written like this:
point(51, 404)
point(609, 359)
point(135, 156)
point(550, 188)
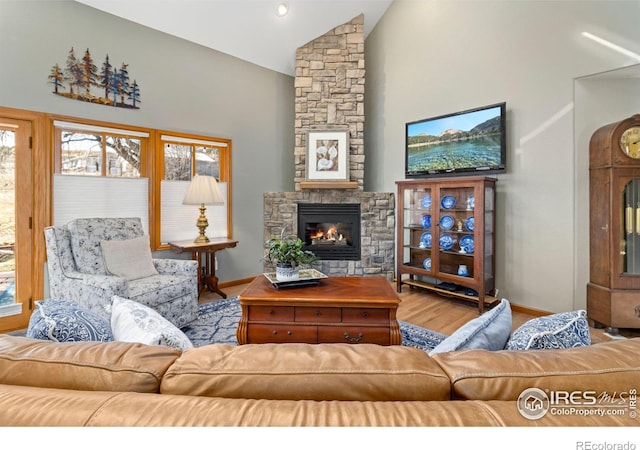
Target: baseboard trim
point(236, 282)
point(530, 311)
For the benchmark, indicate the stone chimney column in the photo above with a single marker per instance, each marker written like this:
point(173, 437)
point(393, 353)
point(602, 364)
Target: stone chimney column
point(329, 94)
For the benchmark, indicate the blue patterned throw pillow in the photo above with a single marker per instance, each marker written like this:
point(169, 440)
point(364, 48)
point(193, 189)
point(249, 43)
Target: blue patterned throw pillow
point(562, 330)
point(63, 321)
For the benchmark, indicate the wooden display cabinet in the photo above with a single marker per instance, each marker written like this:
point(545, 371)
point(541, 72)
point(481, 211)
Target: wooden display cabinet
point(446, 237)
point(613, 291)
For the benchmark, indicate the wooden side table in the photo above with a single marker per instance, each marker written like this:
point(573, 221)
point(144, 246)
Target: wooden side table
point(207, 273)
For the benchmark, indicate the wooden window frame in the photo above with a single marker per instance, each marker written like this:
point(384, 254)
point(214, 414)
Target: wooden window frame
point(225, 148)
point(90, 126)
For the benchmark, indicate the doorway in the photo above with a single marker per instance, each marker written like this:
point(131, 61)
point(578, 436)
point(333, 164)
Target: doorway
point(16, 210)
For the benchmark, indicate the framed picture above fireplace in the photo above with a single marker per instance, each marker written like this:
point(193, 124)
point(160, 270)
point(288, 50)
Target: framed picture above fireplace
point(328, 155)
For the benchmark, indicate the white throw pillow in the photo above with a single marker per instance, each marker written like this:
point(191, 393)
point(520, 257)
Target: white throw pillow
point(134, 322)
point(129, 259)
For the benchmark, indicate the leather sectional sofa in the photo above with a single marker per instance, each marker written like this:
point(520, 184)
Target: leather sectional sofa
point(44, 383)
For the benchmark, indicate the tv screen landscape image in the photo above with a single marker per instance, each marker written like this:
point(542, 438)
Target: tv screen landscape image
point(458, 143)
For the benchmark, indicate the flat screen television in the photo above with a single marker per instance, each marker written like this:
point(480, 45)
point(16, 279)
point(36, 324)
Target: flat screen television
point(462, 143)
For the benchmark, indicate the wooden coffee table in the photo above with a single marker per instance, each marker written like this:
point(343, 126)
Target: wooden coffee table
point(339, 309)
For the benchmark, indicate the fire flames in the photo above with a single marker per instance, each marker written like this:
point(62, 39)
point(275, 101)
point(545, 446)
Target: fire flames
point(329, 236)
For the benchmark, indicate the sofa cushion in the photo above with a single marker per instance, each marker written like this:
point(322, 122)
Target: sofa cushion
point(86, 235)
point(490, 331)
point(609, 367)
point(29, 407)
point(63, 321)
point(134, 322)
point(365, 372)
point(129, 259)
point(85, 366)
point(563, 330)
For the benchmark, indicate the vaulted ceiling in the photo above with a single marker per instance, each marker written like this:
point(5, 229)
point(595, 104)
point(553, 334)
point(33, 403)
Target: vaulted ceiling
point(247, 29)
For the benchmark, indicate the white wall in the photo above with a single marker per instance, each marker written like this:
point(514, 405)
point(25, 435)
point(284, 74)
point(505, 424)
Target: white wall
point(427, 58)
point(185, 87)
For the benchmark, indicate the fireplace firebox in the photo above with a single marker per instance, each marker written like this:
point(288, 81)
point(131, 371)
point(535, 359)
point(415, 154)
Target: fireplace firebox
point(331, 231)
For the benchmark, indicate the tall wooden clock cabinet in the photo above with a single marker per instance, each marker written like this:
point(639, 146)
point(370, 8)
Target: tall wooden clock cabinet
point(613, 291)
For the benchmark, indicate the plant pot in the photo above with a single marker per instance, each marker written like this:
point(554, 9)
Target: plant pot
point(286, 272)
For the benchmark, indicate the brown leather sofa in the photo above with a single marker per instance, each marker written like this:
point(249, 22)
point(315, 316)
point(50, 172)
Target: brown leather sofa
point(45, 383)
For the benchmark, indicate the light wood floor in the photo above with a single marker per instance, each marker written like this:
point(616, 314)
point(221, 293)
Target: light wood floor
point(437, 313)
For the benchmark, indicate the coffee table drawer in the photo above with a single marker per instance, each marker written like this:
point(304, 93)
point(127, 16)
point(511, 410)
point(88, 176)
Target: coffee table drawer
point(271, 313)
point(365, 315)
point(317, 315)
point(277, 334)
point(354, 335)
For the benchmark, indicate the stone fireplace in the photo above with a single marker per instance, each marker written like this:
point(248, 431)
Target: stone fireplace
point(330, 230)
point(329, 95)
point(377, 228)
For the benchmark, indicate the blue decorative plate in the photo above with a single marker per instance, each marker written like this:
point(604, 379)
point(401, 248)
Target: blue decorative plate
point(448, 202)
point(466, 244)
point(469, 223)
point(426, 221)
point(446, 242)
point(427, 263)
point(425, 239)
point(426, 202)
point(446, 222)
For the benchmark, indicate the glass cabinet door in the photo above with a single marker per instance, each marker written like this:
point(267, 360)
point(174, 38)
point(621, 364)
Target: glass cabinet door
point(417, 229)
point(630, 227)
point(456, 231)
point(488, 225)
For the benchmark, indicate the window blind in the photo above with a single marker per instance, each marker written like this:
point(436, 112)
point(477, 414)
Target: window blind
point(77, 196)
point(178, 221)
point(184, 140)
point(97, 129)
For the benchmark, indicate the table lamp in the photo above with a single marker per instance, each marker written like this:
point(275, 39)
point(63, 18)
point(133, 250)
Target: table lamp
point(202, 191)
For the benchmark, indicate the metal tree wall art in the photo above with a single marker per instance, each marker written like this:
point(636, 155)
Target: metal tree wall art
point(78, 76)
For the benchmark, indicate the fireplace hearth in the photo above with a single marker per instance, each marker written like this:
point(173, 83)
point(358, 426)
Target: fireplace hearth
point(331, 231)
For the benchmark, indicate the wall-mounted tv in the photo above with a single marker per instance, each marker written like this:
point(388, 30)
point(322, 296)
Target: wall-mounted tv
point(461, 143)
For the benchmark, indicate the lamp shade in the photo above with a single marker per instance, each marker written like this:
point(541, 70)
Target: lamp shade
point(203, 190)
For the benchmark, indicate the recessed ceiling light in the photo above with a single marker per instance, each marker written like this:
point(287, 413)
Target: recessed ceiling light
point(282, 9)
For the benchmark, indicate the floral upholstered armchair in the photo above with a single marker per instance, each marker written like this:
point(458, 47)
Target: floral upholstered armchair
point(91, 260)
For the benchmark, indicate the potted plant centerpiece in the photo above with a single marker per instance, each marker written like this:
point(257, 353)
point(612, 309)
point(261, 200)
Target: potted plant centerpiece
point(288, 254)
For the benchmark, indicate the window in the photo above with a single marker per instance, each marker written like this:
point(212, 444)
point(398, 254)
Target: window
point(106, 171)
point(99, 151)
point(184, 156)
point(96, 167)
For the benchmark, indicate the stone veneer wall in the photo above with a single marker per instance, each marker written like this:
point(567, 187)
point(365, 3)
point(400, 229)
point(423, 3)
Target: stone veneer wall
point(329, 94)
point(376, 228)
